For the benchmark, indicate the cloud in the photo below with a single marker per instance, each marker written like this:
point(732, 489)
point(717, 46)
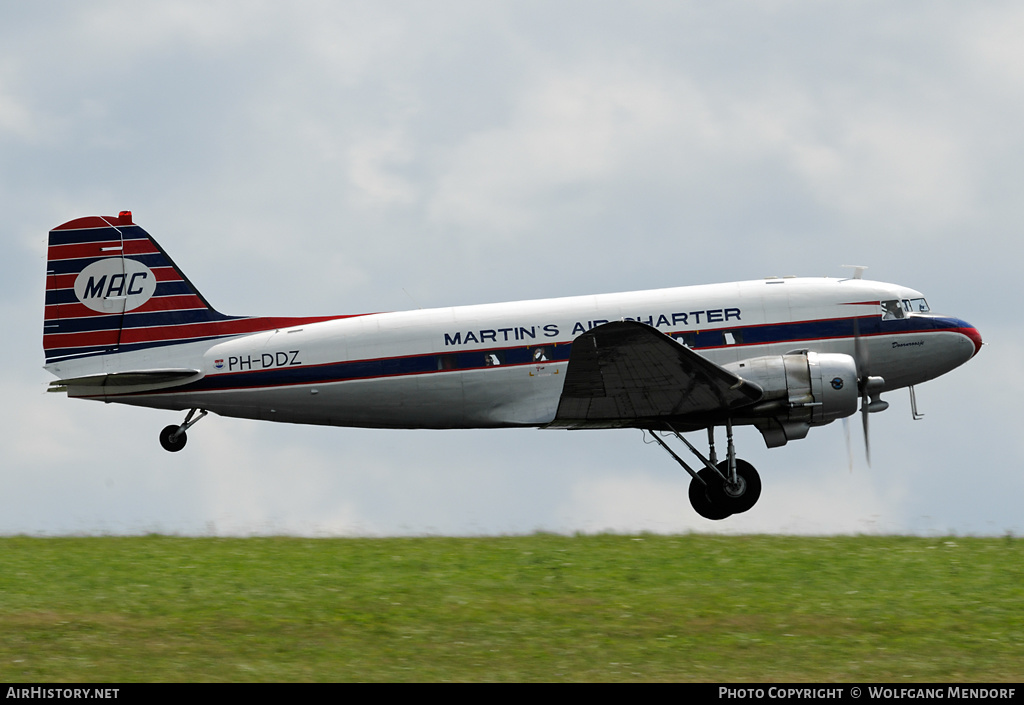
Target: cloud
point(569, 132)
point(328, 159)
point(374, 165)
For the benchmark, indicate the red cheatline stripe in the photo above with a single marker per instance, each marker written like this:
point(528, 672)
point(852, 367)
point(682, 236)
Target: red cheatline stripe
point(79, 250)
point(80, 340)
point(90, 221)
point(140, 247)
point(974, 335)
point(67, 281)
point(188, 331)
point(181, 302)
point(183, 332)
point(60, 281)
point(56, 312)
point(82, 249)
point(166, 274)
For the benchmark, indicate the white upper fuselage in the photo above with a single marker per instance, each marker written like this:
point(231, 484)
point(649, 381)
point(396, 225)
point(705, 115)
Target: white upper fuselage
point(504, 364)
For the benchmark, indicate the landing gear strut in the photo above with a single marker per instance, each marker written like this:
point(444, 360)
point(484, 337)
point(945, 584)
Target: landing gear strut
point(718, 490)
point(173, 438)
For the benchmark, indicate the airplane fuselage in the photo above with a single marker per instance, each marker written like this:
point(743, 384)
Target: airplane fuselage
point(123, 324)
point(504, 364)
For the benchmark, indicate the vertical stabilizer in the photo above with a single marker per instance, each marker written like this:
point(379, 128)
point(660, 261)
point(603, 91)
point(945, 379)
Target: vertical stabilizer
point(111, 288)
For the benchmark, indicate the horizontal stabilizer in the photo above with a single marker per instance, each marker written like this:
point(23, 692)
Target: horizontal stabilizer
point(629, 374)
point(109, 383)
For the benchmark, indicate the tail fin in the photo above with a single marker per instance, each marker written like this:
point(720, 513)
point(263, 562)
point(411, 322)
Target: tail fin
point(111, 288)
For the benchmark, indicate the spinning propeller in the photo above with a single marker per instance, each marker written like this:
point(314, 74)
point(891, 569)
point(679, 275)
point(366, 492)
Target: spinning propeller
point(870, 389)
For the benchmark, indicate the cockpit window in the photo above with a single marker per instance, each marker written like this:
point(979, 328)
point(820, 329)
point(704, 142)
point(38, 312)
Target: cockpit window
point(893, 309)
point(915, 306)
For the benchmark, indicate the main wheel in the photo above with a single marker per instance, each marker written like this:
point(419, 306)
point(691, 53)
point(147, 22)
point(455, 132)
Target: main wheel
point(739, 496)
point(700, 496)
point(172, 445)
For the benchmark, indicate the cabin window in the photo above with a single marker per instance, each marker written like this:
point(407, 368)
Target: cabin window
point(538, 355)
point(733, 337)
point(687, 339)
point(494, 358)
point(892, 310)
point(447, 362)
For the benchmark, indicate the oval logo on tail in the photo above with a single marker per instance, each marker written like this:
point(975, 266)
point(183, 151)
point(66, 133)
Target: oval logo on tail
point(115, 284)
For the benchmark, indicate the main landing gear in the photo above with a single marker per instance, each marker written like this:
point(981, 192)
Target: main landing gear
point(718, 490)
point(173, 438)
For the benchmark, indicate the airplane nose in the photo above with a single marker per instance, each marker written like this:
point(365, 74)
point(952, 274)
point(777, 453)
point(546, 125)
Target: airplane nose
point(972, 333)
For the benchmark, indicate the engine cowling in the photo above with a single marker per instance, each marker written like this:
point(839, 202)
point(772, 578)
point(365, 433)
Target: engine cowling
point(801, 389)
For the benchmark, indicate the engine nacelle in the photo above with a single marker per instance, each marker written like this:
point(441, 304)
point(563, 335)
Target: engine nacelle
point(802, 389)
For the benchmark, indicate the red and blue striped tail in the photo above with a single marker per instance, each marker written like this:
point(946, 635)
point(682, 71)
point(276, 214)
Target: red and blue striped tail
point(110, 288)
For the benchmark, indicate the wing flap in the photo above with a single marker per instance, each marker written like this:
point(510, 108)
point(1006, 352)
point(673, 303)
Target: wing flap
point(626, 372)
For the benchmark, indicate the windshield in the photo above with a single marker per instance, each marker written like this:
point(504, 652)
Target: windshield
point(901, 308)
point(915, 306)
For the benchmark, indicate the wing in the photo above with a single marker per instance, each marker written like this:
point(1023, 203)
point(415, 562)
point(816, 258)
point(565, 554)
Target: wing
point(629, 374)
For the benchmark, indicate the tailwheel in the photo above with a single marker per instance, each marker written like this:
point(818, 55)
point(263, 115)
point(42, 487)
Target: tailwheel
point(738, 495)
point(172, 439)
point(700, 496)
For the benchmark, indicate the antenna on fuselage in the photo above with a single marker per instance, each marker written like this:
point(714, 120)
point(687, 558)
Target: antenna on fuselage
point(414, 302)
point(858, 270)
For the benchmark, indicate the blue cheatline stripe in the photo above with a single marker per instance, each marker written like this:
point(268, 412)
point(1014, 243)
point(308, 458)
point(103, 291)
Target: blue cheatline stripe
point(84, 324)
point(81, 237)
point(462, 361)
point(73, 266)
point(165, 288)
point(86, 235)
point(91, 350)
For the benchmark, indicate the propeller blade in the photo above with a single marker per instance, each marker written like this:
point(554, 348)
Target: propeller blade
point(849, 448)
point(860, 360)
point(860, 351)
point(867, 438)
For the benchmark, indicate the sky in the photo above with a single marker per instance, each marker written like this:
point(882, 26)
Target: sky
point(317, 158)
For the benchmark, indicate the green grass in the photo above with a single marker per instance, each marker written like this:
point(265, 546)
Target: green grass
point(543, 607)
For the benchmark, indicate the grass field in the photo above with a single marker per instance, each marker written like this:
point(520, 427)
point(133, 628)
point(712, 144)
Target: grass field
point(542, 607)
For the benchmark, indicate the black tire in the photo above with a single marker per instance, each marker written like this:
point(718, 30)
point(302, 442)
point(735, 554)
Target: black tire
point(743, 495)
point(175, 445)
point(700, 500)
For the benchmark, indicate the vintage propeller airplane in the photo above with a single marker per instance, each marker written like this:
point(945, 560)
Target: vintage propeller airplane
point(123, 324)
